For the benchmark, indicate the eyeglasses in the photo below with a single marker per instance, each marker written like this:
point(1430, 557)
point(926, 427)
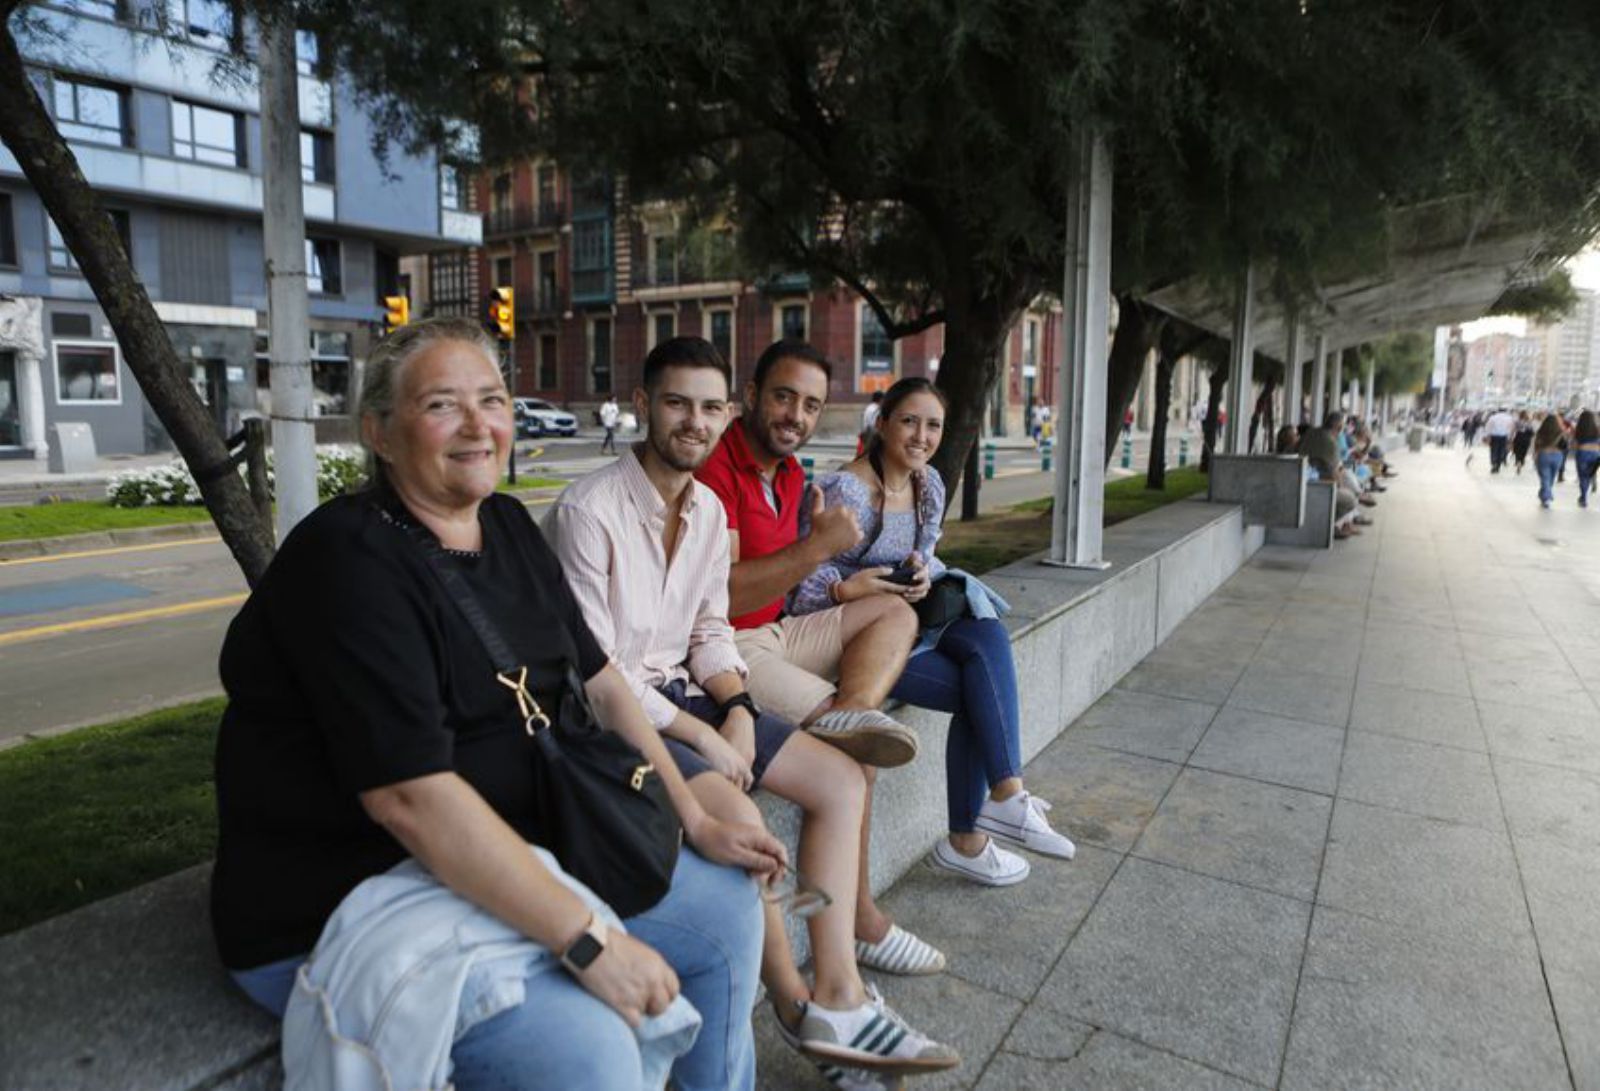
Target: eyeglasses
point(797, 896)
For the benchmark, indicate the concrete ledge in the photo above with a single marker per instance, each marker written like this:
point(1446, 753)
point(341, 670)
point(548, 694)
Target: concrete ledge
point(128, 992)
point(1317, 531)
point(1270, 488)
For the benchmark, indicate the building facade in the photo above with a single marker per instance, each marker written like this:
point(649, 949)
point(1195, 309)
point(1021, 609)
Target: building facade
point(174, 149)
point(600, 280)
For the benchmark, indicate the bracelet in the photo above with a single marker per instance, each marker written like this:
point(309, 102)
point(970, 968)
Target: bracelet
point(833, 593)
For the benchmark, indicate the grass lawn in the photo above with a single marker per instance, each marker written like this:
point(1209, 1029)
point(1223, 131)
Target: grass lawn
point(20, 521)
point(1008, 536)
point(103, 809)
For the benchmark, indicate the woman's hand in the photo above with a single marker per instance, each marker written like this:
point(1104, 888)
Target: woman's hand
point(725, 758)
point(630, 977)
point(869, 581)
point(738, 845)
point(917, 590)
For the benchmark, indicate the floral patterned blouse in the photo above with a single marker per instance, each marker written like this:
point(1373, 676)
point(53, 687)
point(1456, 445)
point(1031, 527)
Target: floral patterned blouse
point(901, 535)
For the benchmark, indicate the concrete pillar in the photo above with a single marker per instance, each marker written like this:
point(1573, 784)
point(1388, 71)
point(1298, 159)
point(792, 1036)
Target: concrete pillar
point(1077, 524)
point(1241, 376)
point(1319, 381)
point(1369, 404)
point(1336, 380)
point(1291, 386)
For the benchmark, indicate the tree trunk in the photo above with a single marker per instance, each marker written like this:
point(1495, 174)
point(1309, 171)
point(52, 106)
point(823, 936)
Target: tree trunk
point(1219, 380)
point(1138, 331)
point(1156, 475)
point(974, 331)
point(51, 168)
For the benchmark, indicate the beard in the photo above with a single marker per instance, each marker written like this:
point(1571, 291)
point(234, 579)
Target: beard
point(765, 434)
point(682, 460)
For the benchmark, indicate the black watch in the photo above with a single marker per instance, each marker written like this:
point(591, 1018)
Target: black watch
point(739, 700)
point(582, 952)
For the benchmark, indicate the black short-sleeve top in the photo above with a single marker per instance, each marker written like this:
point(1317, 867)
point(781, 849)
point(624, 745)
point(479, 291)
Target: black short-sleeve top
point(349, 668)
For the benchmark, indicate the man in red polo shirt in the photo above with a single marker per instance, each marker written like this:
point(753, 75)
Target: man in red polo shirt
point(828, 671)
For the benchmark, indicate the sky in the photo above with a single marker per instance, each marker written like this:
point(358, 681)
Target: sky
point(1585, 270)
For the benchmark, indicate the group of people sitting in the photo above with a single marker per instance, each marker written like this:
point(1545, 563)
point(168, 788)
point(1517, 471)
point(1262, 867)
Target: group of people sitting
point(1341, 451)
point(389, 878)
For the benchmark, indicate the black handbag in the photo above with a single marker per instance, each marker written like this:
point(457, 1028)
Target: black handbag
point(601, 807)
point(946, 601)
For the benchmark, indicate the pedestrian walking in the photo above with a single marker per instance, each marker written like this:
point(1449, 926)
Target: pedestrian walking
point(610, 413)
point(1499, 429)
point(1586, 450)
point(1548, 455)
point(1522, 439)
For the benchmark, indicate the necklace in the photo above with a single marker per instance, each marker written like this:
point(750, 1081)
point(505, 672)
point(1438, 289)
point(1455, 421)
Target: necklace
point(901, 491)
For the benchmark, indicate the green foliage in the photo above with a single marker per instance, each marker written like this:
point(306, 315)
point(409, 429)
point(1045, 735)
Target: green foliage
point(1401, 363)
point(102, 809)
point(23, 521)
point(1548, 300)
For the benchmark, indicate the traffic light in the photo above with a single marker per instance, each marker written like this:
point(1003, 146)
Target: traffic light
point(397, 312)
point(503, 313)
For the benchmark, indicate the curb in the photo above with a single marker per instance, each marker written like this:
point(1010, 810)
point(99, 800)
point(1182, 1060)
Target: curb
point(22, 548)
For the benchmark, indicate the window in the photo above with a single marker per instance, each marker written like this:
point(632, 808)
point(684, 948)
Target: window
point(91, 112)
point(503, 272)
point(323, 267)
point(330, 372)
point(664, 269)
point(547, 193)
point(8, 232)
point(449, 187)
point(548, 300)
point(600, 355)
point(105, 9)
point(87, 373)
point(500, 196)
point(548, 371)
point(721, 323)
point(307, 54)
point(664, 327)
point(316, 156)
point(61, 259)
point(449, 285)
point(792, 322)
point(209, 19)
point(877, 353)
point(206, 135)
point(591, 259)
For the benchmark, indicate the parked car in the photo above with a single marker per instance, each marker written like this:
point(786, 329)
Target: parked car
point(537, 417)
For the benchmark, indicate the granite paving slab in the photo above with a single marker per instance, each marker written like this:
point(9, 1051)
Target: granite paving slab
point(1100, 797)
point(1550, 802)
point(1442, 718)
point(1142, 723)
point(1209, 684)
point(1421, 778)
point(1438, 668)
point(1563, 887)
point(1569, 737)
point(1385, 1006)
point(1241, 830)
point(1577, 1000)
point(1298, 694)
point(1186, 963)
point(1293, 753)
point(1459, 882)
point(1106, 1062)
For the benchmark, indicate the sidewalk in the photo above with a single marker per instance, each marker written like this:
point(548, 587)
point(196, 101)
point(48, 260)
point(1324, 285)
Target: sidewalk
point(1342, 829)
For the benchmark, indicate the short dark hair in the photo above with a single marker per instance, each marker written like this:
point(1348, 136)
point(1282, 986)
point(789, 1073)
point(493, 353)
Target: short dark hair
point(1333, 420)
point(683, 352)
point(789, 349)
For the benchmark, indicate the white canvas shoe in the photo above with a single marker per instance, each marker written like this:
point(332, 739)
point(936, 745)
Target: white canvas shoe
point(994, 866)
point(1020, 821)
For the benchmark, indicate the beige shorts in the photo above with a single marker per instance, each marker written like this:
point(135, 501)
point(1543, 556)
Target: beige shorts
point(793, 662)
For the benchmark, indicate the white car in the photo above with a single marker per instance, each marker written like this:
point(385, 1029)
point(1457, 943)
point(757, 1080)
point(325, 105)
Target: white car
point(537, 417)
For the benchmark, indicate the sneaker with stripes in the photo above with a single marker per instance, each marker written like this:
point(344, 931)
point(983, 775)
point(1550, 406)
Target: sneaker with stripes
point(872, 1037)
point(899, 952)
point(845, 1079)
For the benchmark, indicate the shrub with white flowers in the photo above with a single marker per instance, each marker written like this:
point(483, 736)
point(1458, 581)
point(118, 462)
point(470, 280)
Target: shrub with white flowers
point(340, 469)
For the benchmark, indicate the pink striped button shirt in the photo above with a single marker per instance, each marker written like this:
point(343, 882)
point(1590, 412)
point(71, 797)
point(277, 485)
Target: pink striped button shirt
point(658, 624)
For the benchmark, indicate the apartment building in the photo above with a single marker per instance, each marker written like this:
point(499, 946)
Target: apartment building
point(600, 280)
point(173, 145)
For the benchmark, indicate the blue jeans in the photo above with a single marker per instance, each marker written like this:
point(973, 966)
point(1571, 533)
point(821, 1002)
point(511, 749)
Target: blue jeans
point(708, 928)
point(1549, 463)
point(1588, 462)
point(970, 674)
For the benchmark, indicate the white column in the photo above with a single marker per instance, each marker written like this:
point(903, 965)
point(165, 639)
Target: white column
point(294, 442)
point(1319, 381)
point(1077, 525)
point(1241, 377)
point(1336, 383)
point(1369, 404)
point(1291, 386)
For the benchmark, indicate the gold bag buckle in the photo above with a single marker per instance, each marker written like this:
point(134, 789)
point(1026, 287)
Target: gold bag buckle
point(533, 717)
point(637, 783)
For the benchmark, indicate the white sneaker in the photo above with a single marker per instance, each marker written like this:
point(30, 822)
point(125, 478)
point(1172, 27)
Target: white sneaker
point(1020, 821)
point(994, 866)
point(873, 1037)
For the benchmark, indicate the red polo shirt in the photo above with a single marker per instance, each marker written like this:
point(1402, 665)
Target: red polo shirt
point(733, 474)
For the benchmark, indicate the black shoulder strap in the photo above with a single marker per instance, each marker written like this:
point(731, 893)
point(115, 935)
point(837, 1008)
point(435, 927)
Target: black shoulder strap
point(875, 460)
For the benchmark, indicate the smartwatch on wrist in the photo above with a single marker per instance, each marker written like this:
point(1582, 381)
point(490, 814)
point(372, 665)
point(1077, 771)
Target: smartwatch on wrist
point(739, 700)
point(581, 952)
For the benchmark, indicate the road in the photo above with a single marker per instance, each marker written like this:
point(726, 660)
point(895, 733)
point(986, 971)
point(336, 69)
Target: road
point(110, 633)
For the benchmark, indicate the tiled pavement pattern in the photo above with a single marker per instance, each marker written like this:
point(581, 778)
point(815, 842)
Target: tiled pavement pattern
point(1341, 830)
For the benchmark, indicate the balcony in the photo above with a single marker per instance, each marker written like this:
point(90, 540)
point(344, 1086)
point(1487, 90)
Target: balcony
point(786, 283)
point(546, 304)
point(593, 285)
point(500, 223)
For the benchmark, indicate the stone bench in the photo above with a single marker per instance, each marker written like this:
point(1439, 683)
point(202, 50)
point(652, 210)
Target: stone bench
point(1317, 530)
point(128, 992)
point(1270, 488)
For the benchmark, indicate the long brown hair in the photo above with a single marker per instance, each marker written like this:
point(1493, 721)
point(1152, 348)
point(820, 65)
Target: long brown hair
point(1549, 434)
point(1588, 427)
point(892, 399)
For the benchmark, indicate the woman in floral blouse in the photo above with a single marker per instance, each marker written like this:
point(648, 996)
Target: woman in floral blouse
point(963, 667)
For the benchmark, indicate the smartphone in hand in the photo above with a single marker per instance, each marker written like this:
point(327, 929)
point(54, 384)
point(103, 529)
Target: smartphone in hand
point(905, 574)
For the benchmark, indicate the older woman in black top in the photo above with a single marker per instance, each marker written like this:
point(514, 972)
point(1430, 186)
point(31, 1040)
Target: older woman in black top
point(365, 725)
